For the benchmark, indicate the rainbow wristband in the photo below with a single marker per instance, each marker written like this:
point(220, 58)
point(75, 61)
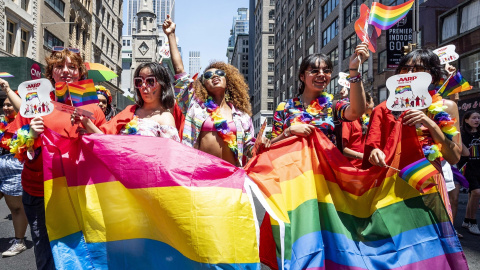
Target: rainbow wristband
point(355, 79)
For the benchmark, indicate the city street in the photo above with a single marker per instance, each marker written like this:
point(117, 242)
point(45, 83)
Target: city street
point(26, 261)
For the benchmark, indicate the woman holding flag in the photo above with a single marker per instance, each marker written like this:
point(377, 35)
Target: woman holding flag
point(63, 65)
point(216, 107)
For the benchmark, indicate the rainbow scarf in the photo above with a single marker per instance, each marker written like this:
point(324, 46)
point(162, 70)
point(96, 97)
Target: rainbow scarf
point(403, 89)
point(31, 96)
point(455, 84)
point(128, 202)
point(221, 125)
point(80, 93)
point(418, 174)
point(385, 17)
point(326, 214)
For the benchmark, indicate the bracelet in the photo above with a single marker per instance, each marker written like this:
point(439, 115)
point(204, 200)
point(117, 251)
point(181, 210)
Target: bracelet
point(355, 79)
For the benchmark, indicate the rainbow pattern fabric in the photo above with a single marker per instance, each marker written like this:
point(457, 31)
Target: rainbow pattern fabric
point(61, 92)
point(80, 93)
point(418, 174)
point(129, 202)
point(384, 17)
point(455, 84)
point(326, 214)
point(474, 151)
point(31, 96)
point(5, 75)
point(403, 89)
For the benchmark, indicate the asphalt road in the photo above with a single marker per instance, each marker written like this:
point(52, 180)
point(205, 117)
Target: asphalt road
point(26, 260)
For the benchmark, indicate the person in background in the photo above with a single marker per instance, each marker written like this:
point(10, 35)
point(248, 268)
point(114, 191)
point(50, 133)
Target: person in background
point(11, 95)
point(105, 101)
point(11, 184)
point(354, 134)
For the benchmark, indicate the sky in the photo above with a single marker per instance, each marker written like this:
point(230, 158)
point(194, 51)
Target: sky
point(205, 26)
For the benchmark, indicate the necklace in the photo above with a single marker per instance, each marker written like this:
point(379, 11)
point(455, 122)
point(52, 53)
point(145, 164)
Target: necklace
point(314, 109)
point(221, 125)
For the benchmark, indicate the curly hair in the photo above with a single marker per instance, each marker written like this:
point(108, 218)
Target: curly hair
point(237, 88)
point(59, 58)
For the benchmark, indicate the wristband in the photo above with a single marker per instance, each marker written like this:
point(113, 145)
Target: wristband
point(355, 79)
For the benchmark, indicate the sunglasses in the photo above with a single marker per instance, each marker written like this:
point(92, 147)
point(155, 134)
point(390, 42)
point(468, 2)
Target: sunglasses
point(61, 48)
point(315, 72)
point(209, 74)
point(415, 68)
point(149, 81)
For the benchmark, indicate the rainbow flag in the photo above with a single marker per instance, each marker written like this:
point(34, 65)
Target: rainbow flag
point(61, 92)
point(455, 84)
point(326, 214)
point(403, 89)
point(83, 93)
point(126, 202)
point(31, 96)
point(385, 17)
point(5, 75)
point(474, 152)
point(418, 174)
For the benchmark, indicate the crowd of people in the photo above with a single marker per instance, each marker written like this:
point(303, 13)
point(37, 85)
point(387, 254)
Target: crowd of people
point(213, 114)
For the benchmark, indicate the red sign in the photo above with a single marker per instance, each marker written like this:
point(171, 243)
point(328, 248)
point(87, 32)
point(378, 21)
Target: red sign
point(35, 72)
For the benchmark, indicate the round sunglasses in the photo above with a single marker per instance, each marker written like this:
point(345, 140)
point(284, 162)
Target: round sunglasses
point(209, 74)
point(149, 81)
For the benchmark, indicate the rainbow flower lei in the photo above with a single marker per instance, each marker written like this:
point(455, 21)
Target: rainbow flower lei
point(314, 109)
point(21, 142)
point(221, 125)
point(446, 123)
point(3, 125)
point(131, 128)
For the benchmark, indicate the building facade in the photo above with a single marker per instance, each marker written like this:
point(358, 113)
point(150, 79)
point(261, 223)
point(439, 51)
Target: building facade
point(240, 25)
point(262, 71)
point(194, 65)
point(160, 7)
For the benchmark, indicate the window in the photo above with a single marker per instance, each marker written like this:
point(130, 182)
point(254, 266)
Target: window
point(24, 4)
point(332, 87)
point(349, 45)
point(269, 121)
point(271, 27)
point(270, 92)
point(299, 61)
point(270, 67)
point(290, 53)
point(57, 5)
point(283, 62)
point(50, 40)
point(271, 15)
point(270, 106)
point(299, 3)
point(271, 40)
point(291, 15)
point(310, 6)
point(300, 21)
point(470, 17)
point(299, 42)
point(328, 8)
point(351, 12)
point(382, 94)
point(330, 33)
point(10, 36)
point(284, 27)
point(449, 26)
point(290, 34)
point(124, 42)
point(311, 49)
point(333, 55)
point(290, 72)
point(270, 53)
point(270, 80)
point(310, 29)
point(272, 2)
point(470, 67)
point(128, 42)
point(382, 61)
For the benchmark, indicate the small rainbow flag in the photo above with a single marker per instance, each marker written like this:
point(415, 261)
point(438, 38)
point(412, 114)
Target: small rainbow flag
point(31, 96)
point(418, 173)
point(61, 92)
point(5, 75)
point(384, 17)
point(455, 84)
point(474, 152)
point(403, 89)
point(83, 93)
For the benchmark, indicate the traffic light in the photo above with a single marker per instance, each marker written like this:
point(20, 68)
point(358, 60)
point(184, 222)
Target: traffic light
point(410, 47)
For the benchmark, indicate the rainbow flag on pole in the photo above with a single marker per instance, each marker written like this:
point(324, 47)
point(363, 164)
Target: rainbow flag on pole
point(130, 202)
point(385, 17)
point(455, 84)
point(80, 93)
point(418, 174)
point(326, 214)
point(61, 92)
point(6, 75)
point(31, 96)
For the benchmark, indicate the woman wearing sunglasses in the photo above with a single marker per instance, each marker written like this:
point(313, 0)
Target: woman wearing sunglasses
point(152, 114)
point(63, 65)
point(216, 107)
point(314, 107)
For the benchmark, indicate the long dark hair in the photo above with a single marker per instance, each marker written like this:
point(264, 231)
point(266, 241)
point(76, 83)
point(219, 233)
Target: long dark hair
point(312, 61)
point(429, 60)
point(465, 127)
point(163, 78)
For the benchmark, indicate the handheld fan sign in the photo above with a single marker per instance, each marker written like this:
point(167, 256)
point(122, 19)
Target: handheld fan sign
point(342, 79)
point(446, 54)
point(409, 91)
point(35, 97)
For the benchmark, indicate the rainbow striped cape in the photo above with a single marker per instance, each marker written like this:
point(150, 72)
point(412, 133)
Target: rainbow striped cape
point(133, 202)
point(326, 214)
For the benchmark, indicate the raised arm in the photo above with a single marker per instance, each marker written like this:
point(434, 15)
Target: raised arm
point(14, 98)
point(169, 30)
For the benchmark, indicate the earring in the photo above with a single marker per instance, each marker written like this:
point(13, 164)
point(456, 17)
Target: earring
point(227, 96)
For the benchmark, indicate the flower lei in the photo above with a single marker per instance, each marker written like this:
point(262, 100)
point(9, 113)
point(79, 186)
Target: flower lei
point(131, 128)
point(21, 142)
point(431, 149)
point(314, 109)
point(366, 119)
point(221, 125)
point(4, 121)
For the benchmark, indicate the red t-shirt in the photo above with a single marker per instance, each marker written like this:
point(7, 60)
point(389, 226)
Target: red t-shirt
point(120, 120)
point(59, 122)
point(353, 139)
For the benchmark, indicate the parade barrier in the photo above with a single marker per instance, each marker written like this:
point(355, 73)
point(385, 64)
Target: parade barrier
point(134, 202)
point(326, 214)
